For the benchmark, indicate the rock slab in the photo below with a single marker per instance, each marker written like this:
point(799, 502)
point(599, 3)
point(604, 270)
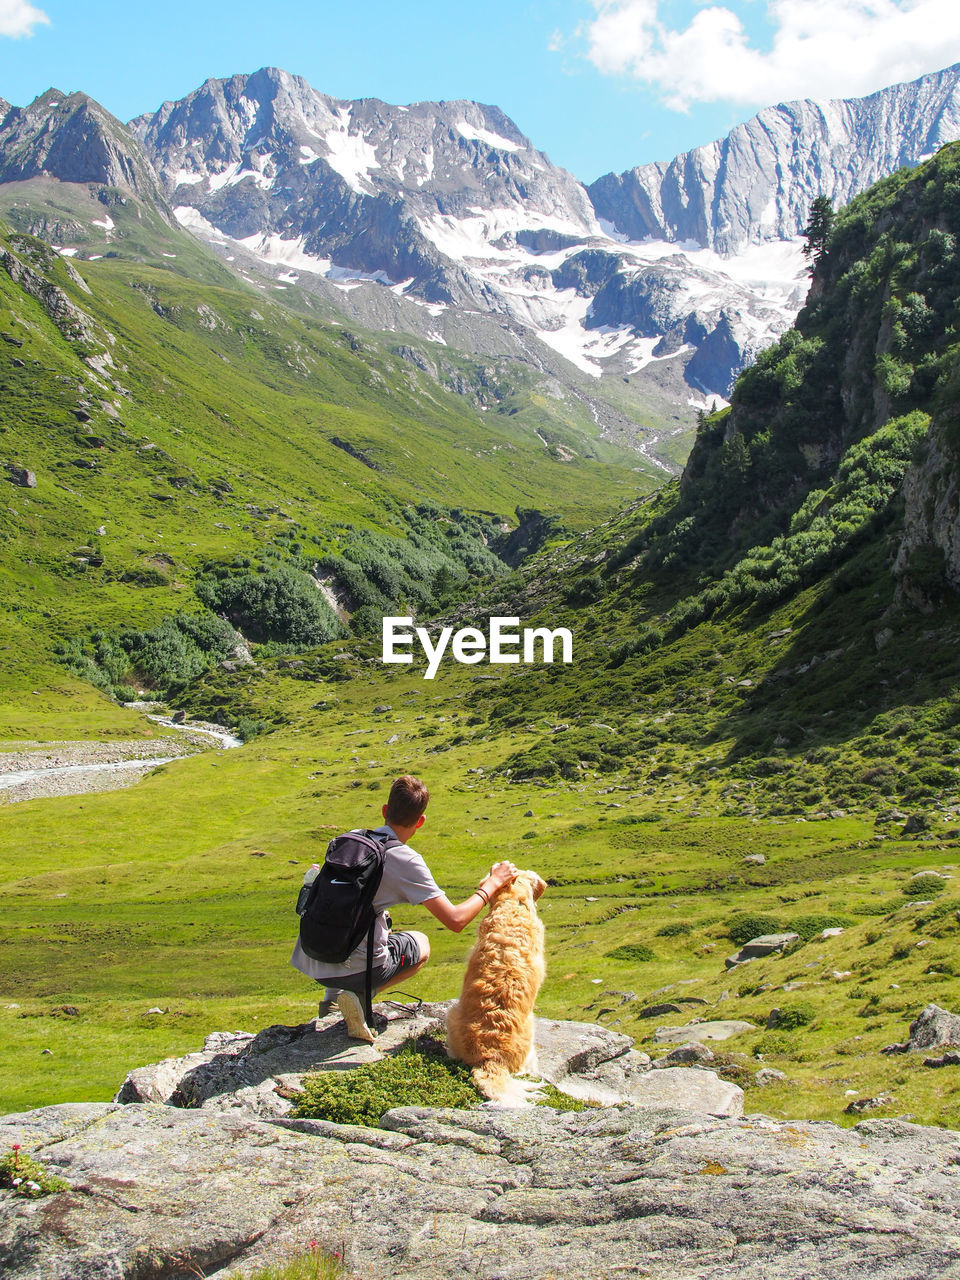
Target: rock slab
point(168, 1192)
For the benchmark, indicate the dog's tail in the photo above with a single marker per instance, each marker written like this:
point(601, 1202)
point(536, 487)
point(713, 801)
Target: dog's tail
point(503, 1089)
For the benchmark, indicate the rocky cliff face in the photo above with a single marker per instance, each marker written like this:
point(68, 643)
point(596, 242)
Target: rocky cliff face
point(360, 189)
point(757, 184)
point(72, 138)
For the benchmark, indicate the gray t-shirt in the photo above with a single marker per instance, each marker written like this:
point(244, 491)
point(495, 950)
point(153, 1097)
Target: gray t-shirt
point(406, 878)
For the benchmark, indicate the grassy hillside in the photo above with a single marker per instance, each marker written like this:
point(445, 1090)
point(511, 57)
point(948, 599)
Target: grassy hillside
point(172, 422)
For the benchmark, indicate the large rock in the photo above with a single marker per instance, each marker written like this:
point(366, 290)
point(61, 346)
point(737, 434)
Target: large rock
point(522, 1195)
point(765, 945)
point(261, 1074)
point(700, 1031)
point(933, 1028)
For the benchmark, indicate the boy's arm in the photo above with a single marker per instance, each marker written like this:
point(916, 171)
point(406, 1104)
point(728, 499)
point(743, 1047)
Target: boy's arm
point(456, 915)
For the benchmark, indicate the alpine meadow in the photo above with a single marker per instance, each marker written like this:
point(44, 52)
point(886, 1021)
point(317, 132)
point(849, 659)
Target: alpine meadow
point(222, 486)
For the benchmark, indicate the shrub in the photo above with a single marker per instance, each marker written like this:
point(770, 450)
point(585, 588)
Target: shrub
point(811, 926)
point(633, 952)
point(248, 727)
point(675, 929)
point(776, 1043)
point(795, 1015)
point(275, 604)
point(742, 927)
point(417, 1076)
point(924, 886)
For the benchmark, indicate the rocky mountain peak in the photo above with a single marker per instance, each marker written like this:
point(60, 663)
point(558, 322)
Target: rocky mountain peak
point(72, 138)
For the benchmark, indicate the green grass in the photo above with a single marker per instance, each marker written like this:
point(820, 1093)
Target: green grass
point(154, 897)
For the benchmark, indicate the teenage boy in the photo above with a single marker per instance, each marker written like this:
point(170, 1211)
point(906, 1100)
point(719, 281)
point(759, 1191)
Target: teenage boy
point(406, 878)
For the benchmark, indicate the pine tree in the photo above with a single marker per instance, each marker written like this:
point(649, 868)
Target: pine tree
point(817, 231)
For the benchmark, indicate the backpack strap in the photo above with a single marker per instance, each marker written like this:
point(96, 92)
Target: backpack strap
point(389, 842)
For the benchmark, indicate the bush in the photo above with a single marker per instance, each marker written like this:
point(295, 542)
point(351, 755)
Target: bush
point(742, 928)
point(417, 1076)
point(273, 604)
point(248, 727)
point(675, 929)
point(633, 952)
point(924, 886)
point(795, 1015)
point(774, 1042)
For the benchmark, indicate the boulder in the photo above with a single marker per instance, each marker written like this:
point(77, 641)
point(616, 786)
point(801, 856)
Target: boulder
point(754, 859)
point(860, 1105)
point(659, 1010)
point(21, 476)
point(700, 1031)
point(685, 1055)
point(933, 1028)
point(765, 945)
point(439, 1194)
point(768, 1075)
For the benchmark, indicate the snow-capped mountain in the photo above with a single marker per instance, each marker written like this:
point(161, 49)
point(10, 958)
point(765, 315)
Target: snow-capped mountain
point(757, 183)
point(443, 221)
point(451, 208)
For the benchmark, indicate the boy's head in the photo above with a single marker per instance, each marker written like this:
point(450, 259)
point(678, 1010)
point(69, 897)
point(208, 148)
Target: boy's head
point(406, 802)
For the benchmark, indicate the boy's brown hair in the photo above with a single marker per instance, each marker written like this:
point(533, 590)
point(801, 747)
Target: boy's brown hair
point(407, 800)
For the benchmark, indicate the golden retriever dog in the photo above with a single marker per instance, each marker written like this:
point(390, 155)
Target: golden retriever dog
point(490, 1028)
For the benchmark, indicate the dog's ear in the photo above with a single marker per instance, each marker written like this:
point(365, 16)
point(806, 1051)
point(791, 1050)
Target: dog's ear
point(537, 884)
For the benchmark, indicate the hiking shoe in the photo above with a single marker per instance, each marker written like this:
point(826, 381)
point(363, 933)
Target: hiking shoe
point(328, 1004)
point(352, 1011)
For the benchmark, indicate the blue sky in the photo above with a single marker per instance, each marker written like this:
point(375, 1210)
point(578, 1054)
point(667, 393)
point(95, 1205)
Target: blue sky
point(599, 85)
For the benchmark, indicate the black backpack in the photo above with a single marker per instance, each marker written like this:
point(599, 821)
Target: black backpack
point(336, 911)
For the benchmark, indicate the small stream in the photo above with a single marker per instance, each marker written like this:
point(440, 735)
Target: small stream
point(58, 777)
point(8, 780)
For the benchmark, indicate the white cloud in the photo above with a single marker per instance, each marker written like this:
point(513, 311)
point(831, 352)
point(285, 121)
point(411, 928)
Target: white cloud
point(820, 48)
point(18, 18)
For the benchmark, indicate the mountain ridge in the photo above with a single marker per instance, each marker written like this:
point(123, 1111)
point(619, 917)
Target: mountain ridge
point(758, 181)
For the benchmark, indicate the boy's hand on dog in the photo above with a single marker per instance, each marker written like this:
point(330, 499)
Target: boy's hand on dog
point(500, 873)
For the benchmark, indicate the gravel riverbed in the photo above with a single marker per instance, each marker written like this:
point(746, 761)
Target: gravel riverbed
point(39, 770)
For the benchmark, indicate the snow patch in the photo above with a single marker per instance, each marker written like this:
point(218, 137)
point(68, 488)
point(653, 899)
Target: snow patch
point(714, 402)
point(285, 253)
point(64, 253)
point(475, 134)
point(194, 220)
point(609, 229)
point(350, 154)
point(187, 178)
point(642, 349)
point(106, 222)
point(234, 174)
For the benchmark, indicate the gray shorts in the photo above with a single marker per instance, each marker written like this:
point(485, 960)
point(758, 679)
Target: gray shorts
point(402, 953)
